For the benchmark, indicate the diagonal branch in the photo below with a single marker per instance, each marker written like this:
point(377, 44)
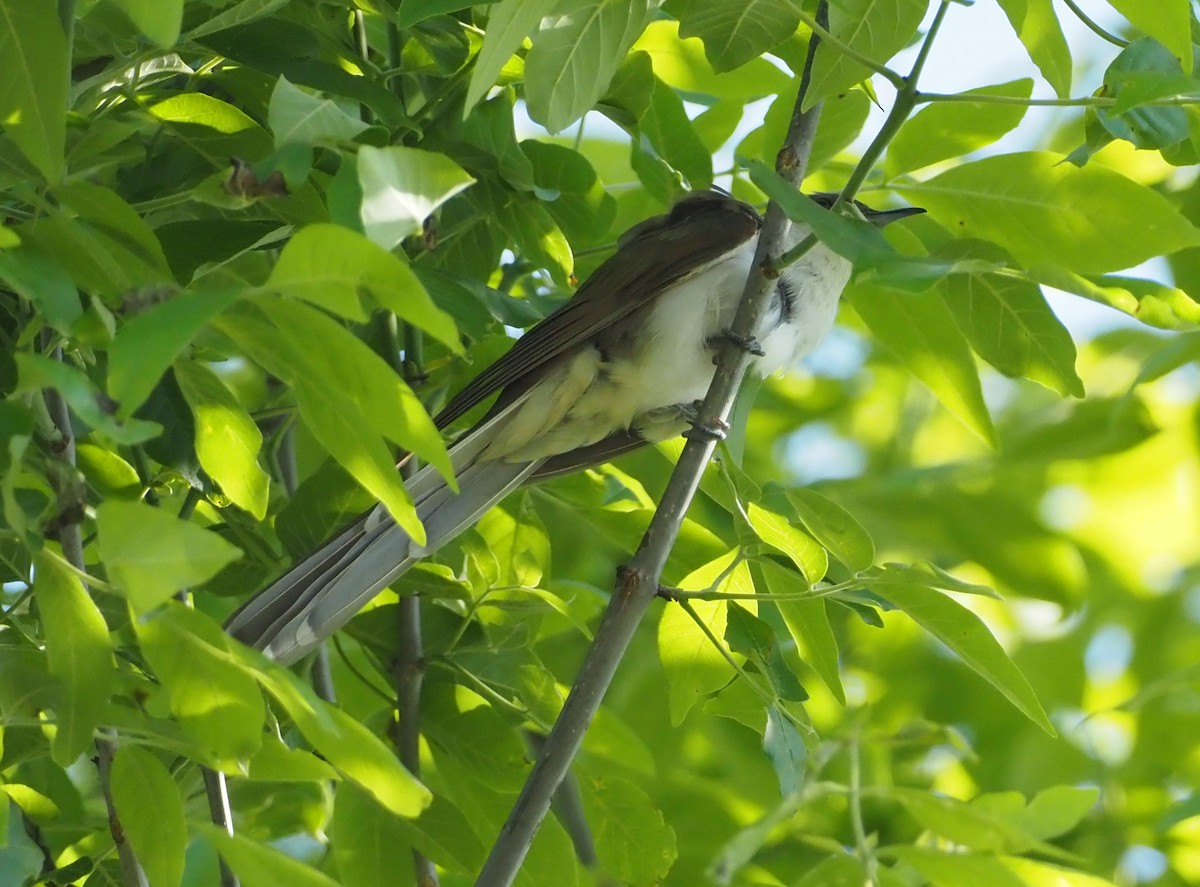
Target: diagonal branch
point(637, 583)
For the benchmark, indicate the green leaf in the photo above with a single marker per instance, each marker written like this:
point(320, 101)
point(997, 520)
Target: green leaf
point(1037, 27)
point(150, 810)
point(36, 372)
point(634, 843)
point(576, 51)
point(778, 532)
point(920, 331)
point(343, 386)
point(949, 129)
point(509, 23)
point(401, 189)
point(693, 665)
point(1008, 323)
point(258, 865)
point(953, 869)
point(150, 554)
point(159, 20)
point(275, 761)
point(682, 64)
point(1056, 810)
point(877, 29)
point(491, 129)
point(79, 654)
point(331, 266)
point(238, 14)
point(145, 347)
point(808, 623)
point(1167, 21)
point(834, 527)
point(669, 131)
point(45, 283)
point(218, 705)
point(1143, 68)
point(227, 439)
point(344, 742)
point(964, 633)
point(33, 83)
point(349, 379)
point(294, 116)
point(735, 33)
point(1052, 214)
point(370, 844)
point(785, 749)
point(214, 129)
point(755, 639)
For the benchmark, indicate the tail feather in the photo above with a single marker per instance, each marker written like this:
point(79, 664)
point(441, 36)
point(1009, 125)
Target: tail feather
point(320, 594)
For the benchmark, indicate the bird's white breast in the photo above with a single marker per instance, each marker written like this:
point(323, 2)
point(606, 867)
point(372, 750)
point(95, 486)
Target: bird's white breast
point(670, 360)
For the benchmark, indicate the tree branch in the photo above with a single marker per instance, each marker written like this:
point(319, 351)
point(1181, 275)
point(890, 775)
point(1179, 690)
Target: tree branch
point(637, 583)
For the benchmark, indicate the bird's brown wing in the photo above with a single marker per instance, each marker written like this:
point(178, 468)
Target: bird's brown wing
point(700, 229)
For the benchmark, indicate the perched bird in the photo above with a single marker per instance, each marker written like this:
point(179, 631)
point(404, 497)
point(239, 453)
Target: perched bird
point(620, 365)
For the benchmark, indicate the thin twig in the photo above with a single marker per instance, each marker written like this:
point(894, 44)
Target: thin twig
point(1095, 28)
point(71, 538)
point(862, 843)
point(821, 32)
point(637, 584)
point(905, 102)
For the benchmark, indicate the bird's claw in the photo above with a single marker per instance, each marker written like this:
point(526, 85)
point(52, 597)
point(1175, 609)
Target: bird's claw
point(746, 343)
point(716, 430)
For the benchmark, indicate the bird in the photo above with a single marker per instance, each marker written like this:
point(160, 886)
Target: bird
point(620, 365)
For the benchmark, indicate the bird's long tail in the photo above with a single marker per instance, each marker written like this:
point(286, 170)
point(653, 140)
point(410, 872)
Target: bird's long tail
point(320, 594)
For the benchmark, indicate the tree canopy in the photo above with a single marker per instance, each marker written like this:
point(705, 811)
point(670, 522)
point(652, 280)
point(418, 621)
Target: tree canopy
point(932, 615)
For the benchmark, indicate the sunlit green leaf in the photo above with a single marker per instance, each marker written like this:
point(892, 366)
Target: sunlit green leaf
point(1047, 213)
point(1008, 323)
point(919, 329)
point(1036, 24)
point(635, 843)
point(575, 53)
point(778, 532)
point(93, 407)
point(159, 20)
point(964, 633)
point(808, 623)
point(145, 347)
point(509, 23)
point(151, 554)
point(877, 29)
point(693, 665)
point(331, 266)
point(80, 656)
point(402, 187)
point(943, 130)
point(33, 94)
point(258, 865)
point(219, 707)
point(227, 440)
point(681, 63)
point(296, 116)
point(1168, 21)
point(150, 808)
point(735, 33)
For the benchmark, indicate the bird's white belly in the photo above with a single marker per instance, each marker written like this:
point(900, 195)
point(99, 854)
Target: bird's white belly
point(586, 399)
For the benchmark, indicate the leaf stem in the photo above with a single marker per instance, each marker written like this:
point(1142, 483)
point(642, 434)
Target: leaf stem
point(822, 32)
point(862, 843)
point(1095, 28)
point(906, 99)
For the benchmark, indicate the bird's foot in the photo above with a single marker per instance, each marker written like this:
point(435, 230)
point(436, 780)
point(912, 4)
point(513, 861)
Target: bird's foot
point(746, 343)
point(717, 429)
